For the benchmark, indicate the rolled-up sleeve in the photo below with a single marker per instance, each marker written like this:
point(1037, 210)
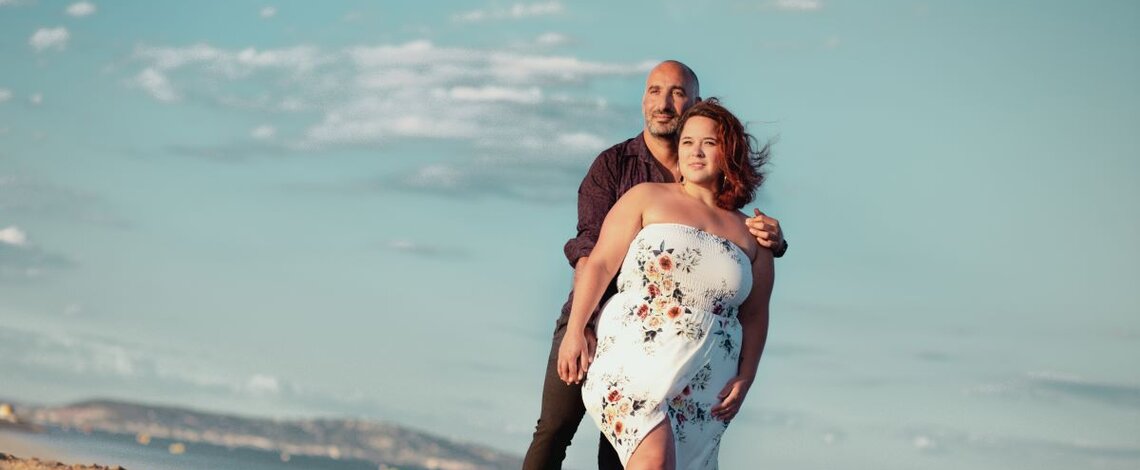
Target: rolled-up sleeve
point(596, 195)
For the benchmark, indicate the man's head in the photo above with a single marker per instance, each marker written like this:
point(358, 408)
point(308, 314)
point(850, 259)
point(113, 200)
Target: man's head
point(669, 90)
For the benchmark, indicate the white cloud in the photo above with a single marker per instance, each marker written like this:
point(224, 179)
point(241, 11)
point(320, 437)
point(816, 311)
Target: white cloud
point(84, 356)
point(12, 3)
point(372, 94)
point(260, 384)
point(424, 249)
point(292, 103)
point(164, 58)
point(263, 132)
point(45, 38)
point(798, 5)
point(156, 83)
point(268, 12)
point(5, 94)
point(520, 10)
point(36, 99)
point(832, 42)
point(582, 142)
point(374, 120)
point(515, 12)
point(14, 236)
point(524, 68)
point(434, 176)
point(552, 39)
point(80, 9)
point(418, 52)
point(232, 64)
point(494, 93)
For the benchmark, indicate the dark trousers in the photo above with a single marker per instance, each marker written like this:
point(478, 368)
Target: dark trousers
point(562, 412)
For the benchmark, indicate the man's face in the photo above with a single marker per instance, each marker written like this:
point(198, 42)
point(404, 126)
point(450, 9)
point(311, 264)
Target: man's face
point(668, 93)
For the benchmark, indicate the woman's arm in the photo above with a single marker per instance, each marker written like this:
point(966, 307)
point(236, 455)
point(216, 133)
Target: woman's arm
point(754, 325)
point(620, 226)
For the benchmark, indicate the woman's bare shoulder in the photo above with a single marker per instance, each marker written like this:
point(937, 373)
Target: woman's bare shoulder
point(753, 248)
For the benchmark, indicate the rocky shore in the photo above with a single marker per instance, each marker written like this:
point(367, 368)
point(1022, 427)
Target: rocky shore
point(11, 462)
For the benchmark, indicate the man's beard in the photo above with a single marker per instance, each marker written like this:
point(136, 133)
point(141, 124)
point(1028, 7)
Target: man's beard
point(667, 129)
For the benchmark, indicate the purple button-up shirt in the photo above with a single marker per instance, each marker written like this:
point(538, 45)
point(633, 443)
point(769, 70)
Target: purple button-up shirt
point(616, 169)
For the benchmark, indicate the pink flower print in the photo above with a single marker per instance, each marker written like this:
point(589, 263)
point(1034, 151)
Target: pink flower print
point(651, 271)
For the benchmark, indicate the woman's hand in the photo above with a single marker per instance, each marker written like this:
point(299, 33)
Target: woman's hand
point(574, 356)
point(732, 396)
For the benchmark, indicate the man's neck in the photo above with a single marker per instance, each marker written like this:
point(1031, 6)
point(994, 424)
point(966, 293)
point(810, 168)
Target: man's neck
point(665, 151)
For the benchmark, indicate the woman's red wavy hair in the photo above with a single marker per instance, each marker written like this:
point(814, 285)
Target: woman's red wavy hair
point(742, 159)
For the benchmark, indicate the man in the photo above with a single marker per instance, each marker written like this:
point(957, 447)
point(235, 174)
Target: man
point(651, 156)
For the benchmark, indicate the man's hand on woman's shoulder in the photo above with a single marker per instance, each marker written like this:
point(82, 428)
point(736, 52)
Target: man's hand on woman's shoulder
point(767, 232)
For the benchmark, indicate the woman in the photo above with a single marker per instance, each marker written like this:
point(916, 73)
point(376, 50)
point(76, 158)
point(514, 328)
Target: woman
point(678, 345)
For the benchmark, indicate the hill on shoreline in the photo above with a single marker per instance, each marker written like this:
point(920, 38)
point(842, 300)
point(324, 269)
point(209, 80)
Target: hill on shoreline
point(377, 442)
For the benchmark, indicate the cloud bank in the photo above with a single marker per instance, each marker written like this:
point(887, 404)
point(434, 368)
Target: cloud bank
point(375, 94)
point(517, 11)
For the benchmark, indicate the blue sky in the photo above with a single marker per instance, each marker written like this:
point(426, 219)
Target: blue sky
point(358, 208)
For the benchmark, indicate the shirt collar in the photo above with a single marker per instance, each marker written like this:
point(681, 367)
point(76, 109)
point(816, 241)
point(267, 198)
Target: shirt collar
point(641, 149)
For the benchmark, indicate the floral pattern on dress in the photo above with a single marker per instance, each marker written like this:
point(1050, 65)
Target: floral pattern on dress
point(663, 308)
point(617, 407)
point(604, 344)
point(668, 341)
point(685, 411)
point(725, 340)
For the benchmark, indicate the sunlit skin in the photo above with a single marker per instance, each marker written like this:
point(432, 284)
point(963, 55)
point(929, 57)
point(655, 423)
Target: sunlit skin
point(701, 150)
point(693, 203)
point(669, 91)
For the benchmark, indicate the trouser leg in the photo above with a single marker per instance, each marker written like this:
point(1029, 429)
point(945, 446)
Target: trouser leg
point(561, 413)
point(607, 456)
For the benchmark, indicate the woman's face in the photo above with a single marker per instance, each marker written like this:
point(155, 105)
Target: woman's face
point(701, 149)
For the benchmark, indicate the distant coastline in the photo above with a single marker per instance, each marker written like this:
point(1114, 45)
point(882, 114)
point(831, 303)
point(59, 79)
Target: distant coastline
point(382, 444)
point(11, 462)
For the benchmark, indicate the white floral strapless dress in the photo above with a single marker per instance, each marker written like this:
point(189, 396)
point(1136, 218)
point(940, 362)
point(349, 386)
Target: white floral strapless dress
point(669, 341)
